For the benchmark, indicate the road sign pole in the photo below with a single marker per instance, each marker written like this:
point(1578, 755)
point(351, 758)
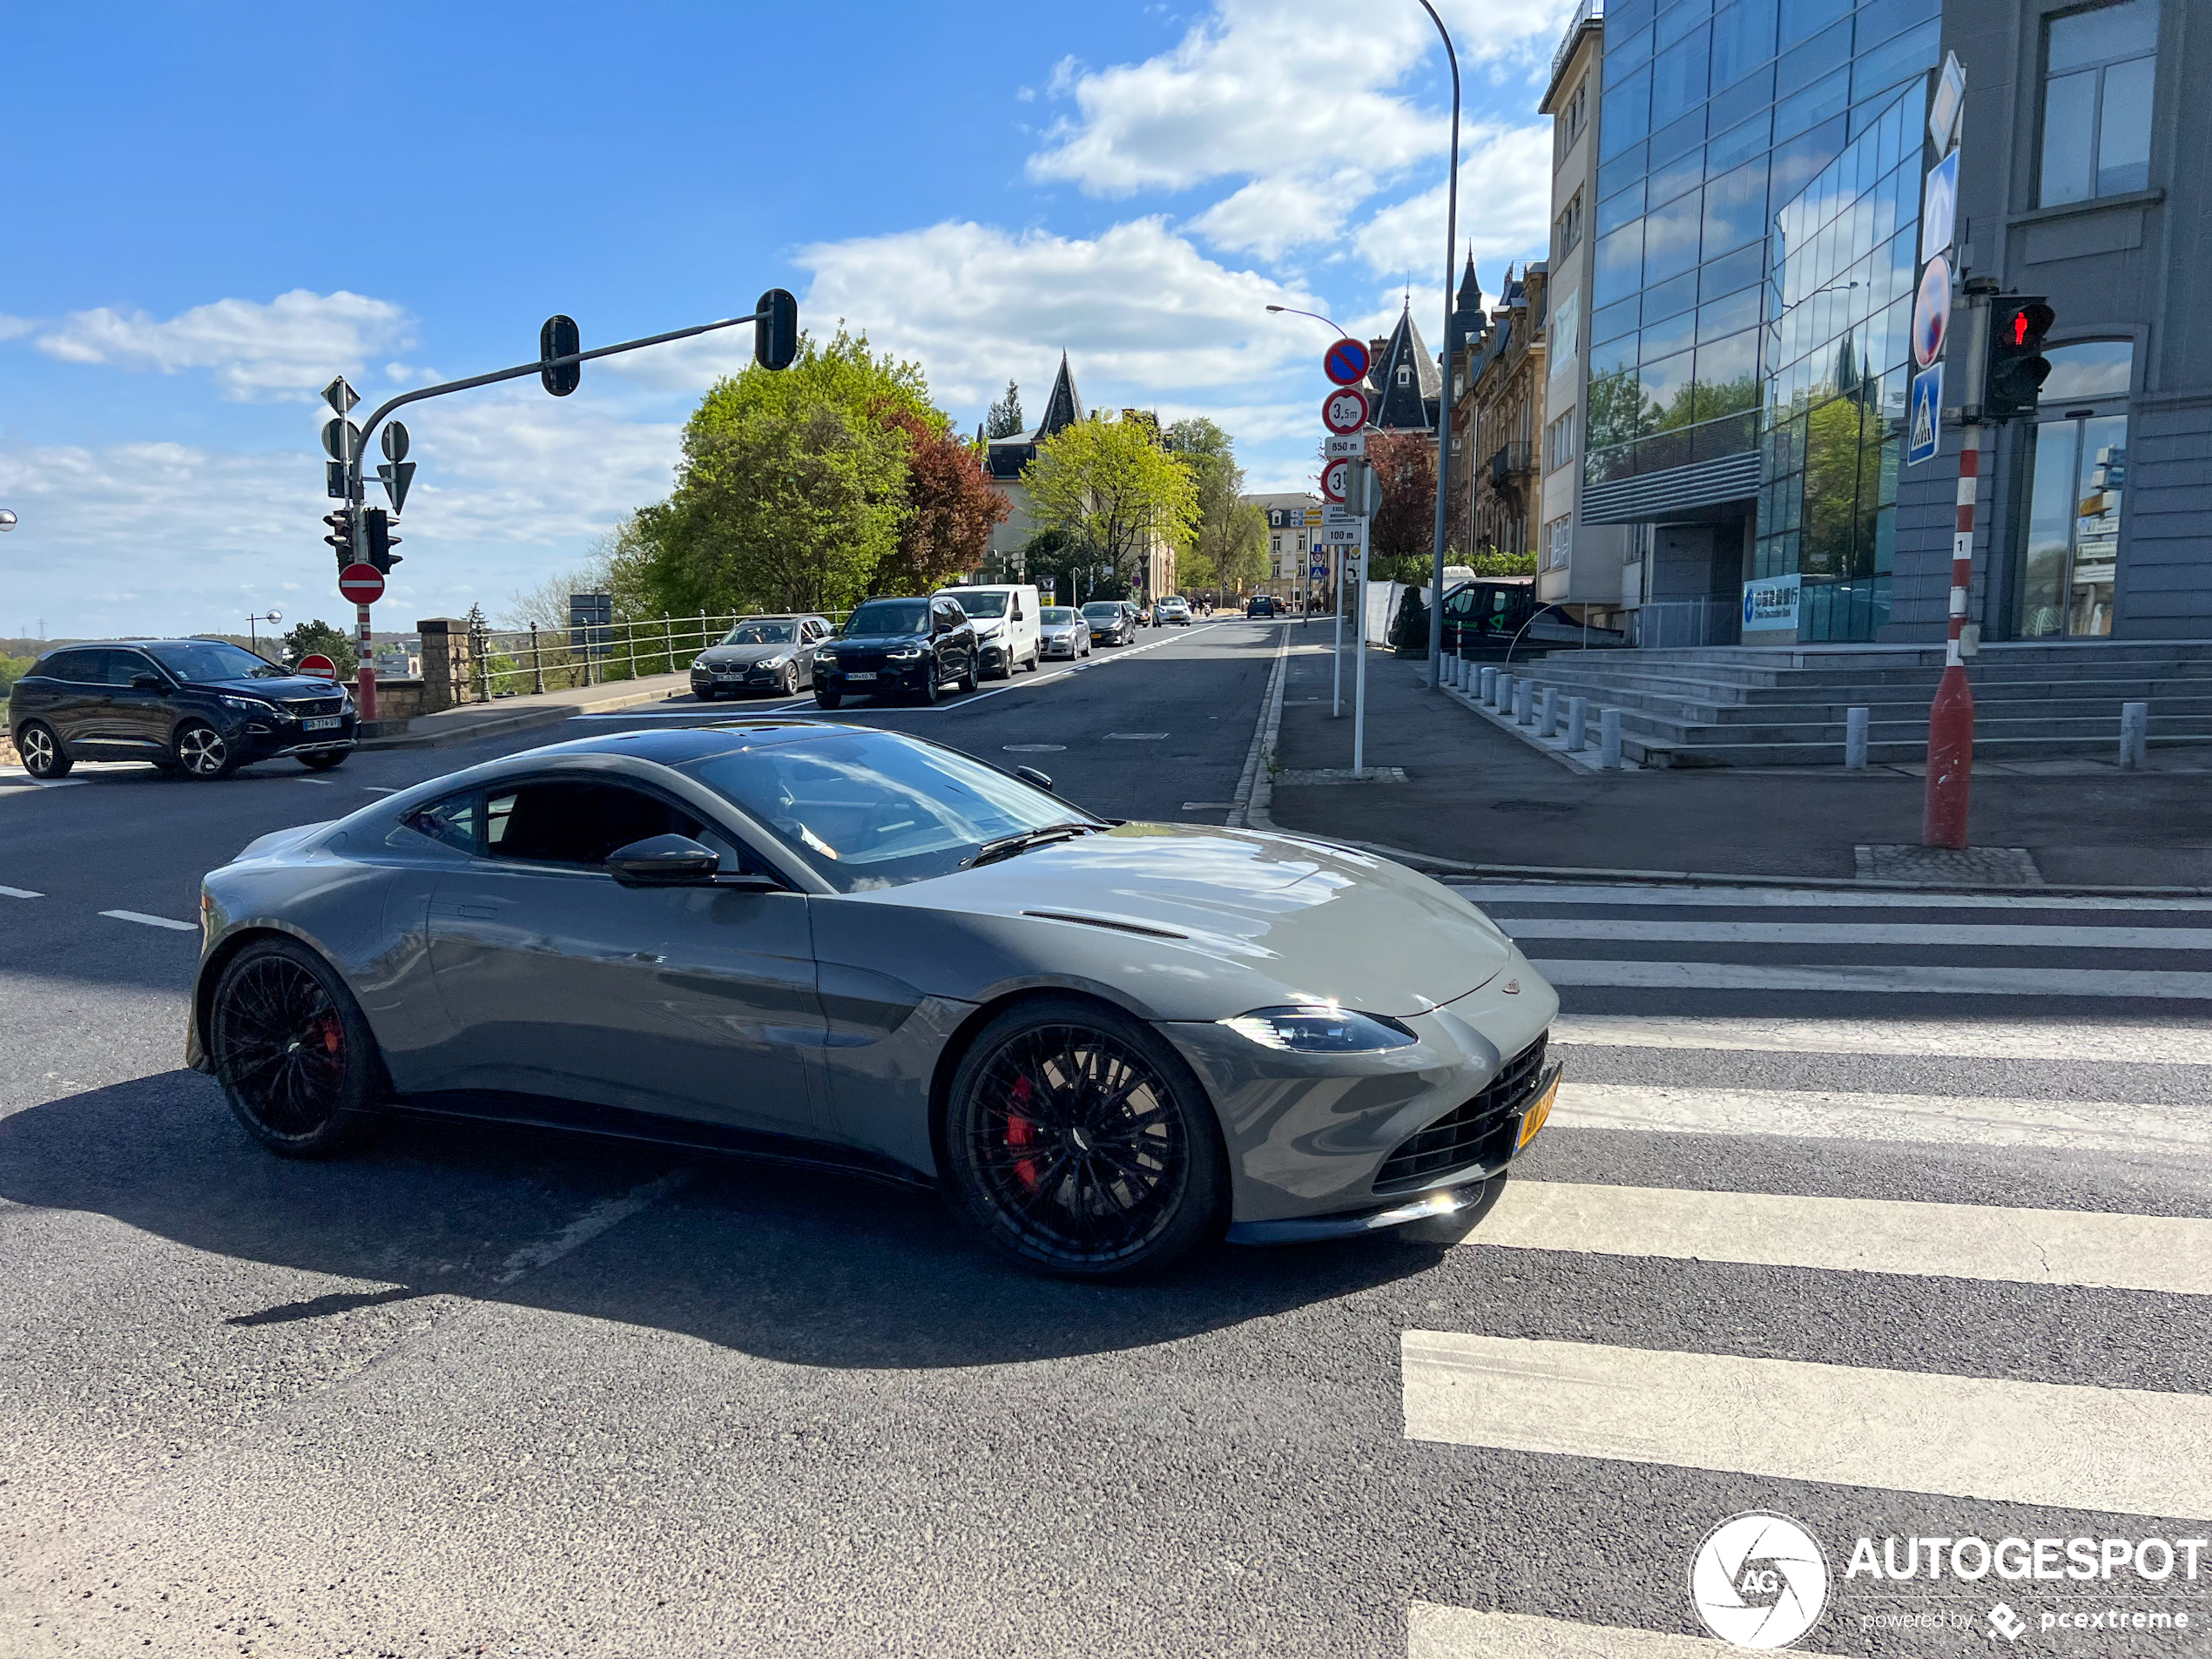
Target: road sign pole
point(1336, 651)
point(1358, 564)
point(365, 686)
point(1951, 717)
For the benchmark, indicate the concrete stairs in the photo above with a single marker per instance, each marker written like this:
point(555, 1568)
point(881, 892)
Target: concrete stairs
point(1787, 705)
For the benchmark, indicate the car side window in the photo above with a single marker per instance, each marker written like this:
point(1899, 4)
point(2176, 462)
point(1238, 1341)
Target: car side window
point(1017, 608)
point(124, 666)
point(80, 667)
point(450, 823)
point(581, 821)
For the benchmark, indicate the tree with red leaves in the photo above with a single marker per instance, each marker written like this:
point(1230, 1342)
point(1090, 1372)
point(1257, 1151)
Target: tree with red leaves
point(950, 510)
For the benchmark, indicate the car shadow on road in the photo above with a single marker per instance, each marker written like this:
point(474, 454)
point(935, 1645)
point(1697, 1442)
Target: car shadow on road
point(807, 1268)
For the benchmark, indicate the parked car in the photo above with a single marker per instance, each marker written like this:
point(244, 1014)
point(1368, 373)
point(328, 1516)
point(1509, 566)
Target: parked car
point(897, 647)
point(1140, 614)
point(1061, 631)
point(197, 706)
point(1105, 1044)
point(1259, 604)
point(760, 654)
point(1111, 623)
point(1491, 616)
point(1174, 609)
point(1005, 625)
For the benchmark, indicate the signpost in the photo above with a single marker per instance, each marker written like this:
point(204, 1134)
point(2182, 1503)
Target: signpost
point(1345, 363)
point(364, 585)
point(1344, 410)
point(1333, 475)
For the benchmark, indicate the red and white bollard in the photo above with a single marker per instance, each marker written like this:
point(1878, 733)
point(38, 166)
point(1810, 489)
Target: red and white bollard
point(365, 687)
point(1951, 717)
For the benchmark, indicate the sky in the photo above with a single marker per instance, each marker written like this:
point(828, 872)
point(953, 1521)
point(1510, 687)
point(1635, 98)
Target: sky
point(206, 212)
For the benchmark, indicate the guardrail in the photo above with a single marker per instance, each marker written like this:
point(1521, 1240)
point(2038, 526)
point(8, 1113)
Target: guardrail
point(513, 662)
point(1583, 13)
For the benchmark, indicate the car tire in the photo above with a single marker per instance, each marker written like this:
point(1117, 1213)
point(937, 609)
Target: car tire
point(325, 761)
point(296, 1059)
point(203, 752)
point(43, 756)
point(1126, 1178)
point(967, 682)
point(825, 698)
point(931, 687)
point(787, 681)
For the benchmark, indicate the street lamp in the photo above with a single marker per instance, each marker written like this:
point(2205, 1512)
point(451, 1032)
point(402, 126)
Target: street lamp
point(253, 638)
point(7, 519)
point(1444, 401)
point(1316, 315)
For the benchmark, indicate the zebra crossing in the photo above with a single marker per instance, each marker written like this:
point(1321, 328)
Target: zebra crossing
point(1766, 1091)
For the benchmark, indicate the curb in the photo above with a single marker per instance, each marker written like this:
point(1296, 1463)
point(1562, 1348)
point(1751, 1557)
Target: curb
point(1256, 786)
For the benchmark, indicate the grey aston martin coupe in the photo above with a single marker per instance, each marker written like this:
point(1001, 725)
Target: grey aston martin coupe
point(845, 948)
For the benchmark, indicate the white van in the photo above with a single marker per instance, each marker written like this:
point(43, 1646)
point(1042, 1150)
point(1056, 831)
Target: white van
point(1005, 616)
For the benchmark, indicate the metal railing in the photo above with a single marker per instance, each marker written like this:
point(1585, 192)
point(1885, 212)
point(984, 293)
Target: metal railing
point(1509, 461)
point(1676, 622)
point(519, 662)
point(1583, 13)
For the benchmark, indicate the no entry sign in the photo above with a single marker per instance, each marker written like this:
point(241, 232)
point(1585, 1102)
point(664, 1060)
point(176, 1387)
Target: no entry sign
point(1344, 410)
point(362, 583)
point(318, 667)
point(1345, 363)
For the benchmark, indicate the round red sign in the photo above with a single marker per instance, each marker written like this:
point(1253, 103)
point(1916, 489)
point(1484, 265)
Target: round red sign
point(1334, 477)
point(1345, 411)
point(362, 583)
point(318, 667)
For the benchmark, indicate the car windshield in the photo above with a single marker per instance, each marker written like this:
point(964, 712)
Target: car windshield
point(980, 604)
point(1102, 608)
point(888, 616)
point(1056, 616)
point(866, 809)
point(762, 633)
point(211, 660)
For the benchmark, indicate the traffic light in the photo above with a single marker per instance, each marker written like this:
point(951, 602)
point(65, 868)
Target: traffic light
point(378, 524)
point(559, 338)
point(341, 535)
point(775, 329)
point(2017, 368)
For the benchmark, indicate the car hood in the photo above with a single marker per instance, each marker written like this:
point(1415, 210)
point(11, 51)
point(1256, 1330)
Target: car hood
point(290, 687)
point(1235, 915)
point(743, 656)
point(879, 642)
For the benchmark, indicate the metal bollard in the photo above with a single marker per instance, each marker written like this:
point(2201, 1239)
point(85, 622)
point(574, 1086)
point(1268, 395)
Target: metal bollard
point(1524, 698)
point(1548, 712)
point(1466, 672)
point(1855, 739)
point(1609, 739)
point(1578, 720)
point(2134, 733)
point(1501, 692)
point(1487, 686)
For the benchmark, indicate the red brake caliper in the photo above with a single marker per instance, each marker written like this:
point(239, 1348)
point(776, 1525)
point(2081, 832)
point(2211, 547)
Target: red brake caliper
point(1020, 1131)
point(334, 1035)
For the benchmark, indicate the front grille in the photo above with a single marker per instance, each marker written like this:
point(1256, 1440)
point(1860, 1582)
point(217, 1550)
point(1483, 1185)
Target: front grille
point(308, 705)
point(1464, 1135)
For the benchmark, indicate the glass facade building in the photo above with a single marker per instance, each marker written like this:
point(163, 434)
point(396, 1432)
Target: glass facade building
point(1714, 117)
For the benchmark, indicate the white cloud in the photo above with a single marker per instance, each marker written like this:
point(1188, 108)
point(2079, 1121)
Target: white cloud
point(286, 349)
point(1270, 216)
point(1268, 87)
point(1505, 208)
point(15, 328)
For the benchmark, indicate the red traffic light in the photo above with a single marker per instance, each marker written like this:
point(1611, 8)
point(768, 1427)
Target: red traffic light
point(2020, 329)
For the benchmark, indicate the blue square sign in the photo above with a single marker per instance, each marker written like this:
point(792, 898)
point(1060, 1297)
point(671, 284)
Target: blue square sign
point(1923, 428)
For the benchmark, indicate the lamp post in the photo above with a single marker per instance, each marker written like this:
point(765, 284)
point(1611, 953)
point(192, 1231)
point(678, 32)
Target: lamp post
point(1444, 401)
point(1294, 312)
point(253, 639)
point(7, 519)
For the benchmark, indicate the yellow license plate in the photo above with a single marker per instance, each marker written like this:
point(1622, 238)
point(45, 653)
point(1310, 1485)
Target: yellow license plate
point(1533, 1119)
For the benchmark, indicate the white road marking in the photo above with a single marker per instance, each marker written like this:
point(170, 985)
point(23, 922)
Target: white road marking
point(1887, 979)
point(608, 1213)
point(2109, 1251)
point(1858, 933)
point(2135, 1132)
point(1437, 1632)
point(140, 917)
point(1803, 898)
point(2071, 1448)
point(19, 892)
point(2151, 1045)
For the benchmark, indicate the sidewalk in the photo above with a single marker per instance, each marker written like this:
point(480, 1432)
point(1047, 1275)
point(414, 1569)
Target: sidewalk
point(1474, 794)
point(473, 720)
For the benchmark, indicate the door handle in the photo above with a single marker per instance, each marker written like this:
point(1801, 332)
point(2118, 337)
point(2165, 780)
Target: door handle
point(480, 911)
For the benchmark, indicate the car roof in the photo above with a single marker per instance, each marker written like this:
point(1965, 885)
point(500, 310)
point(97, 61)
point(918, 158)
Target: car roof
point(681, 745)
point(780, 616)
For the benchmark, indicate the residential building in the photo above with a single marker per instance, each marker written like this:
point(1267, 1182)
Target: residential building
point(1506, 393)
point(1004, 458)
point(1293, 532)
point(1590, 566)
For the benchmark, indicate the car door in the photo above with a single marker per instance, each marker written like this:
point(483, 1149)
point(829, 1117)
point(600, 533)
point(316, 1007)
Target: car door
point(86, 718)
point(135, 715)
point(811, 633)
point(57, 696)
point(944, 643)
point(696, 1002)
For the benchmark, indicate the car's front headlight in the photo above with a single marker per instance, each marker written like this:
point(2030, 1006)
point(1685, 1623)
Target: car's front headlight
point(825, 657)
point(772, 662)
point(904, 654)
point(1320, 1028)
point(248, 705)
point(701, 663)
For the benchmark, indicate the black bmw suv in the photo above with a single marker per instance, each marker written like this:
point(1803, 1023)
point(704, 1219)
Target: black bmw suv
point(902, 647)
point(197, 706)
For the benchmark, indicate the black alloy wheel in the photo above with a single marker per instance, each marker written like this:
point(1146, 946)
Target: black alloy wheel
point(926, 695)
point(44, 758)
point(787, 681)
point(203, 752)
point(967, 682)
point(295, 1058)
point(324, 760)
point(1080, 1145)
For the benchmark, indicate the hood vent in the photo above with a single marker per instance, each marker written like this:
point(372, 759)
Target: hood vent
point(1101, 922)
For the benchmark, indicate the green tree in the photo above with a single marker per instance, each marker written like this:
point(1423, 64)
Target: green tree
point(306, 639)
point(1109, 485)
point(1403, 534)
point(1004, 418)
point(1229, 548)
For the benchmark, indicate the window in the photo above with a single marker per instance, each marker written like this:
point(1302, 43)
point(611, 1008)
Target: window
point(1576, 113)
point(577, 822)
point(2072, 561)
point(2099, 65)
point(1405, 375)
point(124, 666)
point(450, 823)
point(1559, 539)
point(1564, 330)
point(80, 667)
point(1569, 230)
point(1558, 442)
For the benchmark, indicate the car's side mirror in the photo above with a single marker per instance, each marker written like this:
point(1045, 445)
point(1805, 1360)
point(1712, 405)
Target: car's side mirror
point(1031, 775)
point(147, 683)
point(663, 861)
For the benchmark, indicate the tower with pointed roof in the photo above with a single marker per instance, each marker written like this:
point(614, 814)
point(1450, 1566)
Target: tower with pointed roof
point(1004, 458)
point(1404, 383)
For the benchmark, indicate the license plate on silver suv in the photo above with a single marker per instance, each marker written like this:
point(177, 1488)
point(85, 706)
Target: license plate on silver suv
point(320, 723)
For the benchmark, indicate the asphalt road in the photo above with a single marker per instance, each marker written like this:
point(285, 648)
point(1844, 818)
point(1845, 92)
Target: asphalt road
point(1809, 1233)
